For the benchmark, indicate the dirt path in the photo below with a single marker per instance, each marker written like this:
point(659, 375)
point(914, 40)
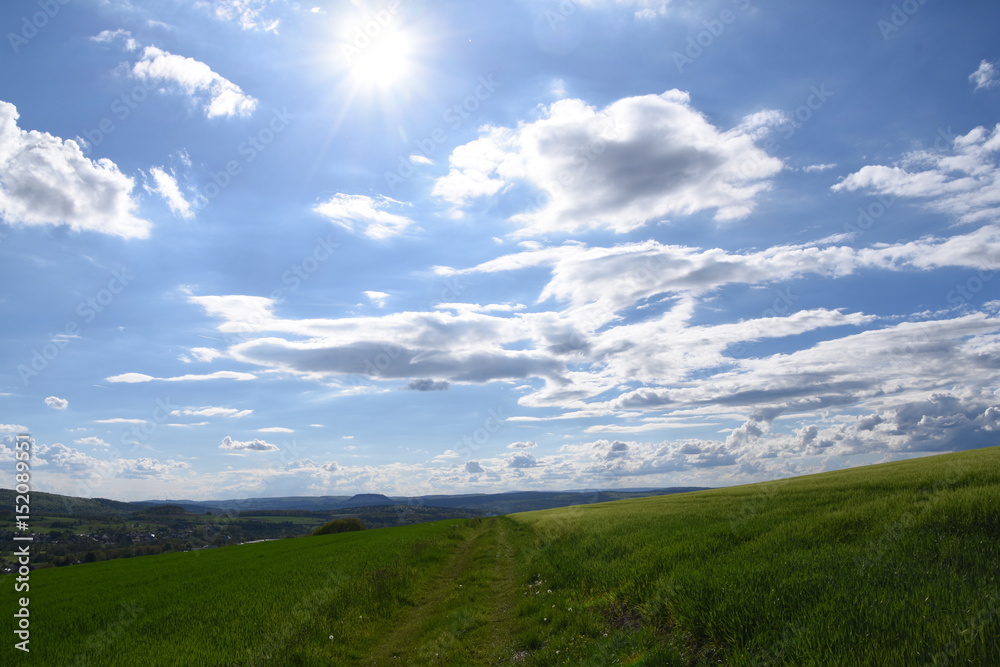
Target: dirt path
point(464, 615)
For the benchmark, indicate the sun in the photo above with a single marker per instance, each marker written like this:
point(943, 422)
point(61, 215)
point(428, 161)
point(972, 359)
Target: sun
point(383, 62)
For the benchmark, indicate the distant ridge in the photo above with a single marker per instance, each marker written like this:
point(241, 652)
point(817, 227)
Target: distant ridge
point(489, 503)
point(369, 500)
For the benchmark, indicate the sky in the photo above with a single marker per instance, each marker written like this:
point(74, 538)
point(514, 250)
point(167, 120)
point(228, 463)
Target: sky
point(267, 248)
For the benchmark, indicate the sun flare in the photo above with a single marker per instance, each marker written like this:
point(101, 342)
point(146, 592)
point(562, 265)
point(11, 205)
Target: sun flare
point(384, 62)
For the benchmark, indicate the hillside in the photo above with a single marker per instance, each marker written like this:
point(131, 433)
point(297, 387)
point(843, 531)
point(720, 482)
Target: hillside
point(890, 564)
point(54, 503)
point(495, 503)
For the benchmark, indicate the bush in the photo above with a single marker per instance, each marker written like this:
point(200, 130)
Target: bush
point(340, 526)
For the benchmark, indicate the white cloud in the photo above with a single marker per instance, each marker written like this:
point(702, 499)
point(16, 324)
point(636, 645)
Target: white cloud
point(522, 460)
point(108, 36)
point(120, 420)
point(964, 183)
point(217, 95)
point(645, 10)
point(378, 299)
point(210, 411)
point(58, 459)
point(92, 441)
point(133, 378)
point(416, 158)
point(985, 76)
point(13, 428)
point(248, 14)
point(364, 215)
point(254, 445)
point(166, 186)
point(45, 180)
point(529, 444)
point(276, 429)
point(57, 403)
point(638, 160)
point(812, 168)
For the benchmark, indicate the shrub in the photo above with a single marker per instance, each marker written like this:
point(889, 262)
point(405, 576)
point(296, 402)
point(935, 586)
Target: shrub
point(340, 526)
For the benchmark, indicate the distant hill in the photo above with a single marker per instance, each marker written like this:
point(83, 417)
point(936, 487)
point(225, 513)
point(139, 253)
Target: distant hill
point(369, 500)
point(490, 503)
point(890, 564)
point(480, 503)
point(54, 503)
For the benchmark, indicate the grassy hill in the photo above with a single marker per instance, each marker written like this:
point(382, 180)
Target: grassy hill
point(895, 564)
point(53, 503)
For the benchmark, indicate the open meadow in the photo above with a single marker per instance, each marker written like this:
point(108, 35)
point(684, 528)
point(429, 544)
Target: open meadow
point(894, 564)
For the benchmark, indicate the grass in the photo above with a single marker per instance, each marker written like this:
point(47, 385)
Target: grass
point(889, 564)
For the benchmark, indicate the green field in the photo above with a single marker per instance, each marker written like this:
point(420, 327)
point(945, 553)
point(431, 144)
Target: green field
point(895, 564)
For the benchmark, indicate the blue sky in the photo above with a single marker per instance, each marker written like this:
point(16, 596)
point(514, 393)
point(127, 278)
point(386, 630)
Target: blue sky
point(260, 247)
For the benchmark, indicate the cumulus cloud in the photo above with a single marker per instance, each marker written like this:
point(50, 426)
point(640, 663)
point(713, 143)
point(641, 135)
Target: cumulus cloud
point(473, 467)
point(522, 460)
point(276, 429)
point(254, 445)
point(165, 185)
point(528, 444)
point(985, 76)
point(58, 459)
point(91, 441)
point(426, 384)
point(963, 183)
point(13, 428)
point(57, 403)
point(217, 95)
point(364, 215)
point(377, 298)
point(45, 180)
point(637, 160)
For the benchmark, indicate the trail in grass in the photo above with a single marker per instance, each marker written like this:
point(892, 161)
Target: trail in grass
point(465, 614)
